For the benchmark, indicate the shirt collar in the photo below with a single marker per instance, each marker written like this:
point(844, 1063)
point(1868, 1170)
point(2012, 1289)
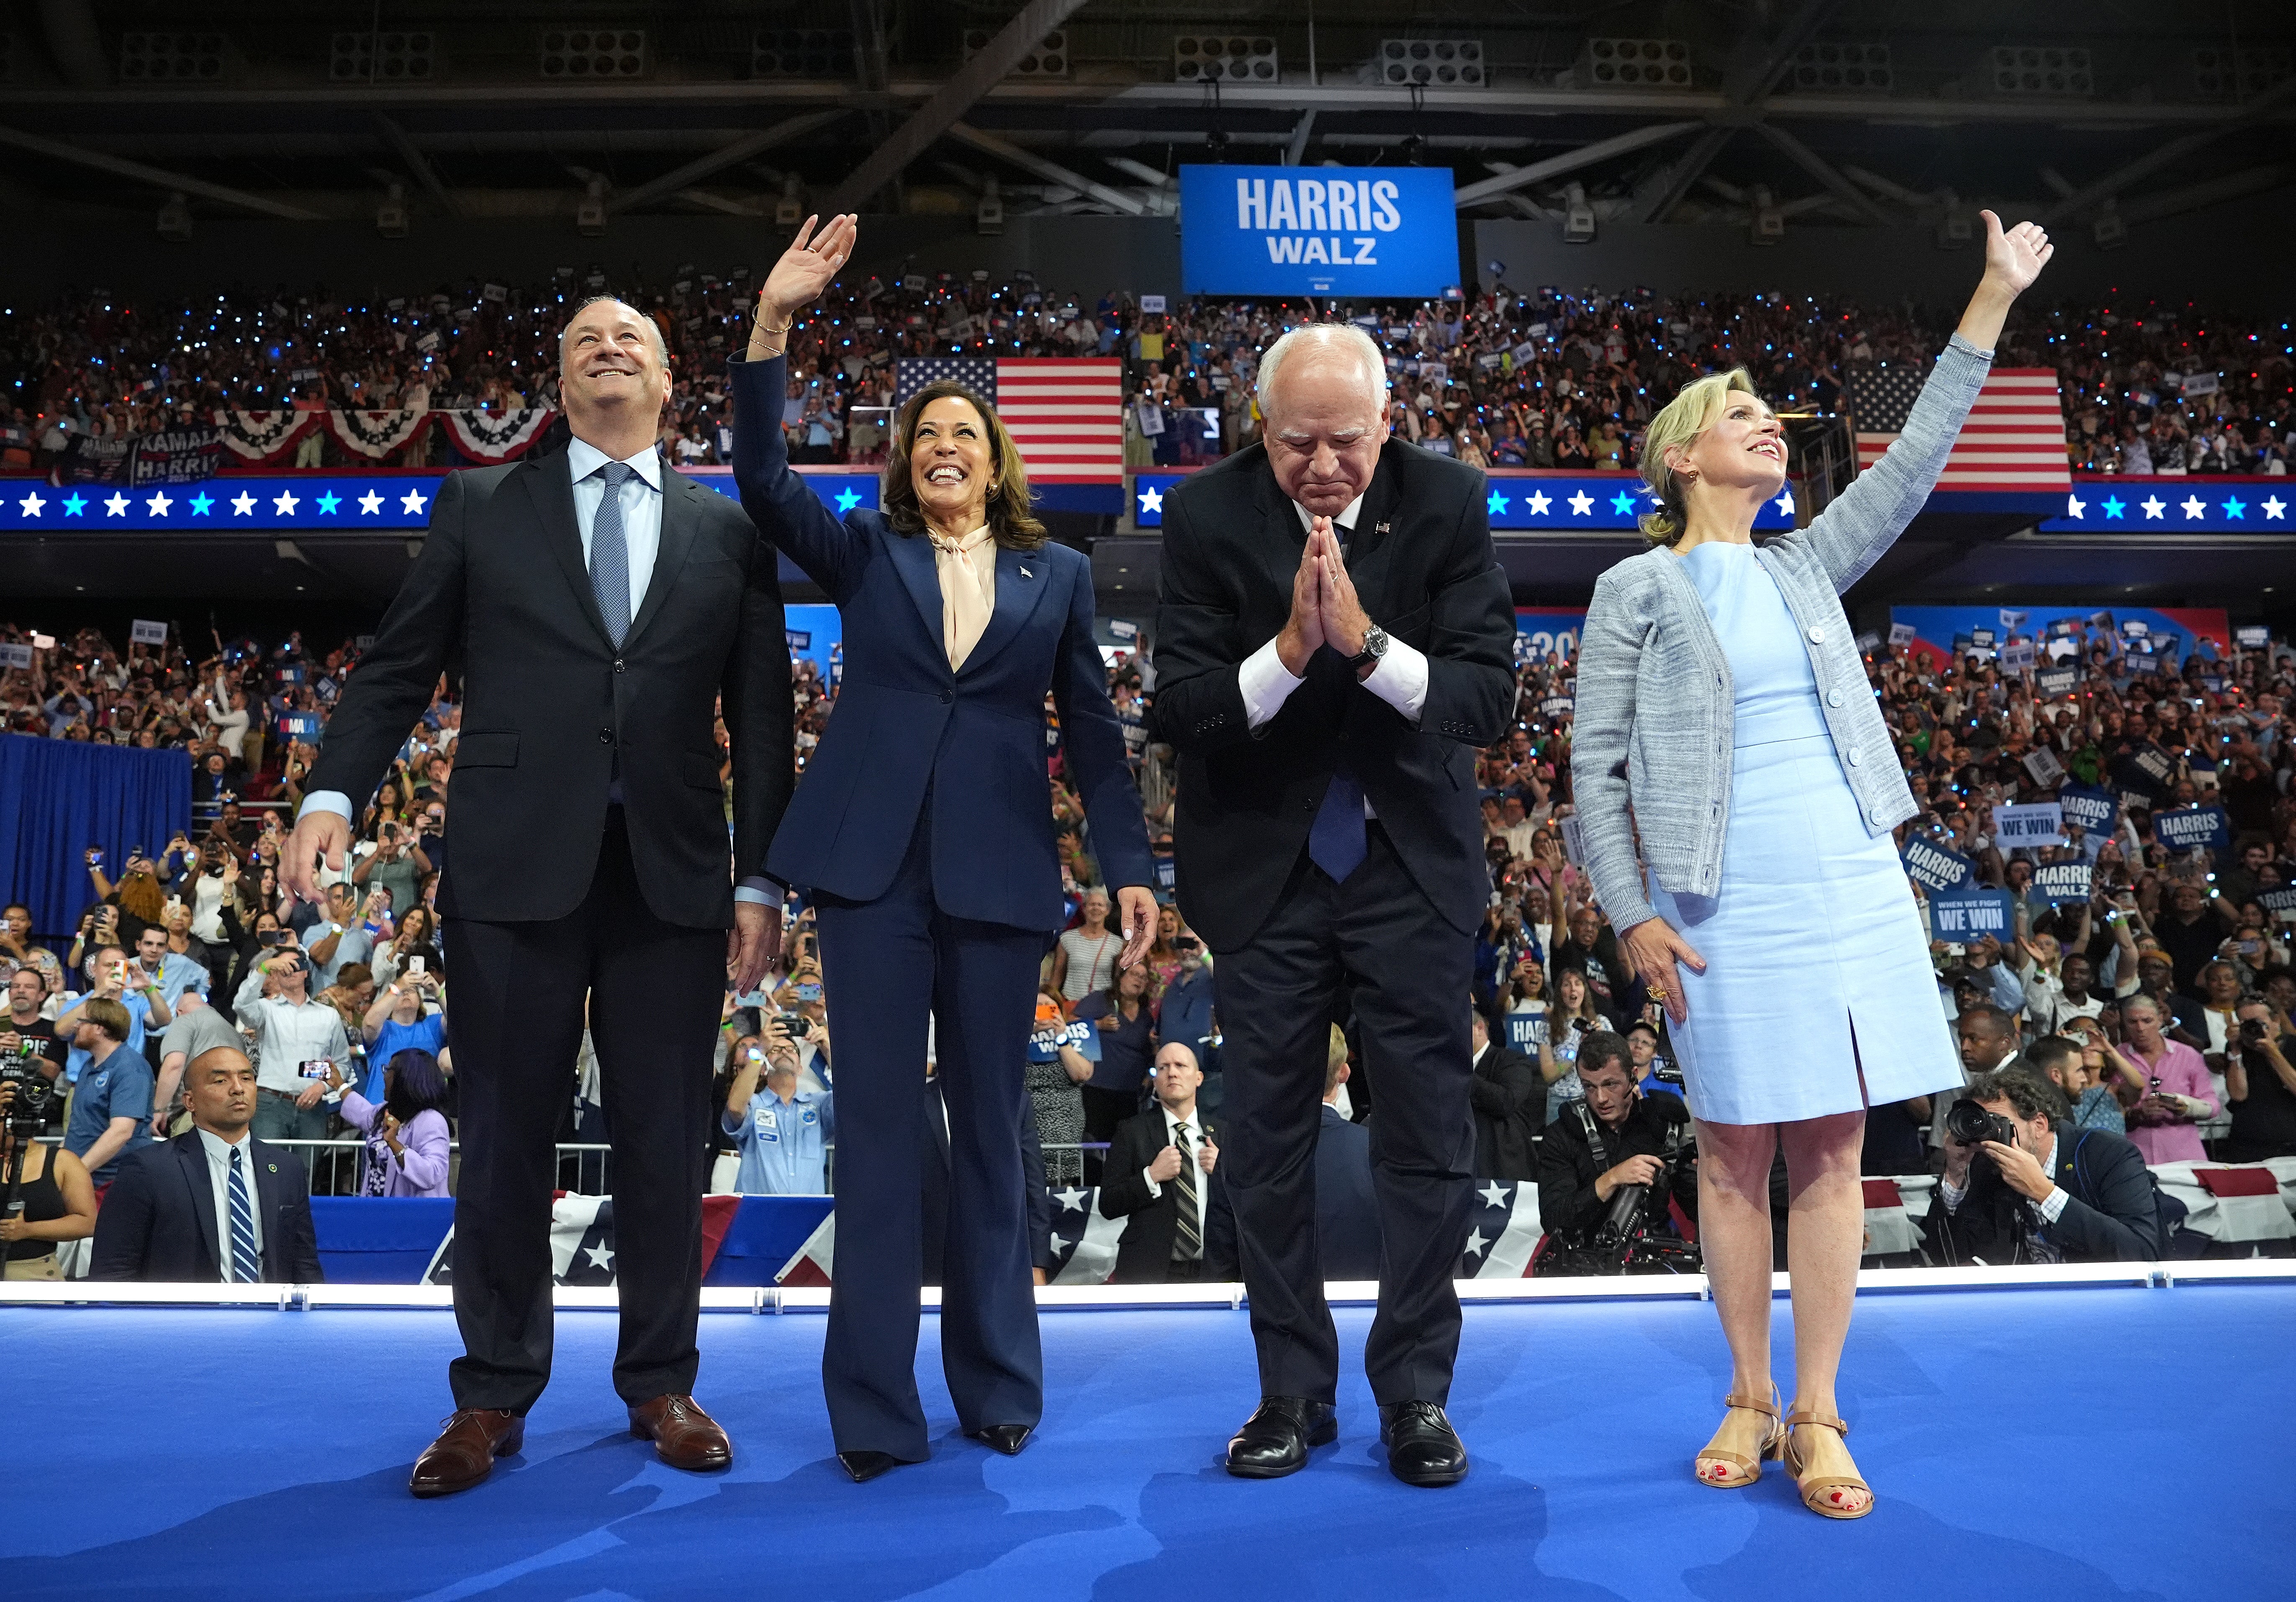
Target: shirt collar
point(1346, 520)
point(219, 1150)
point(971, 542)
point(1172, 1120)
point(584, 458)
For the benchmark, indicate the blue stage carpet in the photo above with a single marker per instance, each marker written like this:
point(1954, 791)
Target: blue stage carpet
point(2041, 1445)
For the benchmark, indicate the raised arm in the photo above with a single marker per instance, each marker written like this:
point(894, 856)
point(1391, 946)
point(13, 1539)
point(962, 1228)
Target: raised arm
point(1866, 520)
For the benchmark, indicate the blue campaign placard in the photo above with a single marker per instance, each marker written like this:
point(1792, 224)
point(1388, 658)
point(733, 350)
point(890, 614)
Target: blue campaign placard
point(2093, 809)
point(1346, 231)
point(1934, 868)
point(2190, 827)
point(2062, 882)
point(1970, 913)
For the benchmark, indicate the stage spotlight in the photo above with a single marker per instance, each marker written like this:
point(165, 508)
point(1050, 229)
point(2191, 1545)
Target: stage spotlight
point(988, 216)
point(788, 210)
point(176, 219)
point(1578, 216)
point(1770, 223)
point(390, 217)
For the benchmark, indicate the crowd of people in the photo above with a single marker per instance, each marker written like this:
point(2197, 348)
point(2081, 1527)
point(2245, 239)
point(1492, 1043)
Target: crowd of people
point(1499, 378)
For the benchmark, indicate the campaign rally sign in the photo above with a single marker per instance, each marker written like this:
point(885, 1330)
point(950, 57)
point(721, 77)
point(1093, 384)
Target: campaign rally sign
point(1555, 708)
point(2188, 827)
point(2062, 882)
point(2042, 763)
point(2016, 656)
point(1970, 913)
point(1934, 868)
point(2092, 811)
point(2253, 636)
point(1936, 626)
point(1526, 1032)
point(2037, 824)
point(2054, 682)
point(1045, 1044)
point(299, 725)
point(147, 631)
point(2146, 770)
point(13, 655)
point(1357, 232)
point(1544, 631)
point(2280, 901)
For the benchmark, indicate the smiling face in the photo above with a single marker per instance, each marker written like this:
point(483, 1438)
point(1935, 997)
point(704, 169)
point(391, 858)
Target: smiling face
point(1324, 428)
point(952, 461)
point(1744, 449)
point(611, 368)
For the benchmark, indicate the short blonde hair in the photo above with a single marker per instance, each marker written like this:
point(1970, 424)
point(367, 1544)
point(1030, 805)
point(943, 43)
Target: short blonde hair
point(1679, 423)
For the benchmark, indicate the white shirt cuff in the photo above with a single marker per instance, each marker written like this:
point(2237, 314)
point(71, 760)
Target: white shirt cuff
point(1401, 679)
point(2052, 1204)
point(325, 800)
point(1155, 1191)
point(1952, 1193)
point(1266, 685)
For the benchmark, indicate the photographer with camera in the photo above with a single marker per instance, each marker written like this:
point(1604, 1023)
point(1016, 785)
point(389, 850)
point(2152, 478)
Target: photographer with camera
point(1611, 1140)
point(782, 1134)
point(2021, 1184)
point(45, 1195)
point(2260, 1084)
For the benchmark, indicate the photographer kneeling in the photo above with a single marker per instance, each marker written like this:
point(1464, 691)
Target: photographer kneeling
point(1613, 1139)
point(2021, 1184)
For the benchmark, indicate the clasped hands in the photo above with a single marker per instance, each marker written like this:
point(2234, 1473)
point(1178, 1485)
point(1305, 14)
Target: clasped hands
point(1325, 611)
point(1166, 1167)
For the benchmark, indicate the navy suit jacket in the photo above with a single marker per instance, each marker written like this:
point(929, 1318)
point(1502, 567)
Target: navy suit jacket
point(1347, 1212)
point(158, 1221)
point(906, 724)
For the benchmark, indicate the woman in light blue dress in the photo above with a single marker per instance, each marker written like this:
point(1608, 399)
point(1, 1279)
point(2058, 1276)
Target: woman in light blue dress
point(1721, 698)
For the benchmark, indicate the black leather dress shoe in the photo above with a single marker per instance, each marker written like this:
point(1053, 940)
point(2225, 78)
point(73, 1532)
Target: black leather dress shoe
point(1006, 1438)
point(1422, 1448)
point(1274, 1441)
point(864, 1466)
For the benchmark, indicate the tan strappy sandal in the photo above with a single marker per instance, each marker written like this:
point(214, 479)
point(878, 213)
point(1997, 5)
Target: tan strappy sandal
point(1725, 1470)
point(1823, 1496)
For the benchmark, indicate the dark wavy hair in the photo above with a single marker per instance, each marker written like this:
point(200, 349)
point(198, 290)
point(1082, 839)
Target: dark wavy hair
point(417, 1085)
point(1011, 524)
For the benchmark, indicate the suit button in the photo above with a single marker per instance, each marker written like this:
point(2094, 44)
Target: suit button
point(605, 736)
point(618, 664)
point(946, 696)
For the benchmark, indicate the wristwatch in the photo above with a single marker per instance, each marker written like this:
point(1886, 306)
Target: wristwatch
point(1374, 648)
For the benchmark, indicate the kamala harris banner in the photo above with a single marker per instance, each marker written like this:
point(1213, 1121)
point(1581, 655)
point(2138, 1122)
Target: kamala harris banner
point(1346, 231)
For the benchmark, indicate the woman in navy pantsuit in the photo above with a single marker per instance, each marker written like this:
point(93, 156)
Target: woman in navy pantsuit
point(924, 828)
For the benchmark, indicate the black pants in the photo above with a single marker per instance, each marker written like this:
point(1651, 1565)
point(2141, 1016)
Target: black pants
point(653, 990)
point(886, 962)
point(1380, 940)
point(1104, 1110)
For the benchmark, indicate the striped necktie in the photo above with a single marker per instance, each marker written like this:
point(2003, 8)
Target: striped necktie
point(246, 1267)
point(1188, 1244)
point(610, 554)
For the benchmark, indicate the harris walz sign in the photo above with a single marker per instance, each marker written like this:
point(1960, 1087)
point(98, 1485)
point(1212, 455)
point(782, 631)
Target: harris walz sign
point(171, 456)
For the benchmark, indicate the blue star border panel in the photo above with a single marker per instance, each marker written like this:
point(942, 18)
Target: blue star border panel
point(2188, 504)
point(349, 502)
point(1542, 502)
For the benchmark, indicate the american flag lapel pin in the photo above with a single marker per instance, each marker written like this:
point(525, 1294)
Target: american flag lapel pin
point(1385, 528)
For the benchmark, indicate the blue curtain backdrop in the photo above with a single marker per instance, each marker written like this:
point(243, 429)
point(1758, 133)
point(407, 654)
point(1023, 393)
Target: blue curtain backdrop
point(59, 797)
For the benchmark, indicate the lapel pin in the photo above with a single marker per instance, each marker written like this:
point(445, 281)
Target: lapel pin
point(1384, 528)
point(1025, 574)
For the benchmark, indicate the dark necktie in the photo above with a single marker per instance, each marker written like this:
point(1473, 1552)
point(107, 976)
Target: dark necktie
point(610, 554)
point(246, 1267)
point(1188, 1244)
point(1336, 841)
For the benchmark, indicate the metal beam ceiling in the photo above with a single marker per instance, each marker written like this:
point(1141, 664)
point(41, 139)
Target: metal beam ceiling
point(1586, 155)
point(1051, 171)
point(119, 166)
point(725, 156)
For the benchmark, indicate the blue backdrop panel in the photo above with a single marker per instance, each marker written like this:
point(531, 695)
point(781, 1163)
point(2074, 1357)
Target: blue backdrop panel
point(59, 797)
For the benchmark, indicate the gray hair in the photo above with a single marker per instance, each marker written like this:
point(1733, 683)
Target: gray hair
point(653, 329)
point(1343, 339)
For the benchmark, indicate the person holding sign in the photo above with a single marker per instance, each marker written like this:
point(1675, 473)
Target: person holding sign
point(923, 827)
point(1722, 697)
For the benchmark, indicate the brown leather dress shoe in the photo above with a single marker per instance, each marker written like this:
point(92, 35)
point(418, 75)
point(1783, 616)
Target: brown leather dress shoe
point(683, 1435)
point(466, 1450)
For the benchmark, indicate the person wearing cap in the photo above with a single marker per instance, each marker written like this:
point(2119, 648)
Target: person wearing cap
point(1642, 1054)
point(292, 1028)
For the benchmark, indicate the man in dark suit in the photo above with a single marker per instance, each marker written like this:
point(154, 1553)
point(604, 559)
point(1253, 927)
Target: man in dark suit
point(1347, 1204)
point(596, 607)
point(1510, 1101)
point(1334, 643)
point(215, 1204)
point(1162, 1177)
point(2057, 1194)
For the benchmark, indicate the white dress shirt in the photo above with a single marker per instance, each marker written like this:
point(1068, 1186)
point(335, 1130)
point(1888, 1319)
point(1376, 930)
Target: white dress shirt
point(1400, 679)
point(220, 1150)
point(641, 500)
point(1194, 1125)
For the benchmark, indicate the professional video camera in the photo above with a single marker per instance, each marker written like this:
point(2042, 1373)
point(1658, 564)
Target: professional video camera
point(27, 1109)
point(1633, 1237)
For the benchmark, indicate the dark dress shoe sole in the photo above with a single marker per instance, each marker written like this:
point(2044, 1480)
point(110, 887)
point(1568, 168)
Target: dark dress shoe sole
point(864, 1466)
point(1006, 1438)
point(1322, 1434)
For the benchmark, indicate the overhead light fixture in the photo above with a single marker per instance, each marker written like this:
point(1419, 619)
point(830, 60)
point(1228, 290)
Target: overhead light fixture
point(390, 217)
point(988, 216)
point(1577, 216)
point(2109, 230)
point(590, 213)
point(1769, 222)
point(176, 219)
point(788, 210)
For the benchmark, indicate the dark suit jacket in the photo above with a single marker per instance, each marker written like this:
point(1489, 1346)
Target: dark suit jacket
point(159, 1222)
point(1346, 1212)
point(906, 724)
point(1422, 565)
point(1143, 1254)
point(2113, 1216)
point(1510, 1101)
point(501, 595)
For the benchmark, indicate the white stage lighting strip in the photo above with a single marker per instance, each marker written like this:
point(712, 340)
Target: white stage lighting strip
point(1053, 1298)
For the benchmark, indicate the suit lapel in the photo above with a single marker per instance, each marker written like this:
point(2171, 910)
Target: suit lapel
point(551, 490)
point(912, 557)
point(265, 1161)
point(681, 520)
point(1020, 585)
point(192, 1160)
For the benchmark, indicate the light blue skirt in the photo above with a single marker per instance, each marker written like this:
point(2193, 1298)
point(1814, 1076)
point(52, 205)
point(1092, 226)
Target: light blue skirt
point(1817, 963)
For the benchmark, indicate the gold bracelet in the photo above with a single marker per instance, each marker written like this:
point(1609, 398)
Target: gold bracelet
point(764, 327)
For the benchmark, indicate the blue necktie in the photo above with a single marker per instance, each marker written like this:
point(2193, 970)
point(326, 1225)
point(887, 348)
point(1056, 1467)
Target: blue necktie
point(610, 554)
point(246, 1267)
point(1336, 843)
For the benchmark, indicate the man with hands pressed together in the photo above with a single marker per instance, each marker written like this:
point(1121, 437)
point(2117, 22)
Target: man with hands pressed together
point(1334, 644)
point(596, 608)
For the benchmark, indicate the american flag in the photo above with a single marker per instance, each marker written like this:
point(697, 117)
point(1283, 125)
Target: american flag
point(1066, 416)
point(2014, 439)
point(1504, 1231)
